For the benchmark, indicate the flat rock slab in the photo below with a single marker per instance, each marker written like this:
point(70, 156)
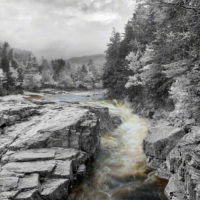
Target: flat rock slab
point(29, 155)
point(160, 141)
point(29, 178)
point(51, 129)
point(29, 182)
point(55, 189)
point(63, 169)
point(66, 154)
point(41, 167)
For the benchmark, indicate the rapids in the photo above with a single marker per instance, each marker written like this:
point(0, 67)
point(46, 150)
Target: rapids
point(119, 171)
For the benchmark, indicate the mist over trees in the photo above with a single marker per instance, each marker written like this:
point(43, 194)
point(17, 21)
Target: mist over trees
point(21, 70)
point(160, 51)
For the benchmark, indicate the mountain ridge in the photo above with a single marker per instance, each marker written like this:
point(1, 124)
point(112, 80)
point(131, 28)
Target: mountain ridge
point(96, 58)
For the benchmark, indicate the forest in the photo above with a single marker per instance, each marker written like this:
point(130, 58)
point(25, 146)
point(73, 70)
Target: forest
point(155, 64)
point(21, 70)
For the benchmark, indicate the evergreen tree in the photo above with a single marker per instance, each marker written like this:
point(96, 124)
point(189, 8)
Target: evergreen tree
point(112, 61)
point(5, 58)
point(57, 65)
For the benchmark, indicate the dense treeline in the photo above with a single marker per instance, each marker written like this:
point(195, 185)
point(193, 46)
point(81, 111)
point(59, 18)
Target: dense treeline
point(160, 52)
point(20, 70)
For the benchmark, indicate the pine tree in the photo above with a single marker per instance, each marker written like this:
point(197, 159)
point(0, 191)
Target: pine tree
point(5, 58)
point(112, 58)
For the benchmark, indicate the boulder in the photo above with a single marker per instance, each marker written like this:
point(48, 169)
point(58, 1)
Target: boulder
point(176, 156)
point(55, 189)
point(28, 195)
point(160, 140)
point(174, 189)
point(183, 163)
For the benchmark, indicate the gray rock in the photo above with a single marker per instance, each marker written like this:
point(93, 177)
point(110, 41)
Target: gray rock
point(64, 154)
point(81, 170)
point(28, 195)
point(29, 182)
point(29, 155)
point(175, 189)
point(44, 148)
point(8, 195)
point(41, 167)
point(163, 171)
point(159, 142)
point(181, 164)
point(63, 169)
point(55, 189)
point(8, 183)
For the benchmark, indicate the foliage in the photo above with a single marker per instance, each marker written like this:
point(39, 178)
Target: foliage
point(160, 52)
point(57, 65)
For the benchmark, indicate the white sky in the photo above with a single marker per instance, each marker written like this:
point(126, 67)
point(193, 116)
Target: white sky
point(62, 28)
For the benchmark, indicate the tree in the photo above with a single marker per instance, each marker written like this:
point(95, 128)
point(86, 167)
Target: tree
point(5, 58)
point(112, 58)
point(57, 66)
point(47, 72)
point(84, 69)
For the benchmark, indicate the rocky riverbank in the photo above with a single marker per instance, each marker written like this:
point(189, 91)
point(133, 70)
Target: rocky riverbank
point(174, 154)
point(44, 146)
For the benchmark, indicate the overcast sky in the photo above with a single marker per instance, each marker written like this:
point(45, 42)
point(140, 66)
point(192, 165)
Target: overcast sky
point(62, 28)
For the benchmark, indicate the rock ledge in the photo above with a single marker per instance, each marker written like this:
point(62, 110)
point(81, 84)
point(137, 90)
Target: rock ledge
point(44, 148)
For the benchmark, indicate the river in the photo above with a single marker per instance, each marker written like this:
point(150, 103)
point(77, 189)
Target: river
point(119, 171)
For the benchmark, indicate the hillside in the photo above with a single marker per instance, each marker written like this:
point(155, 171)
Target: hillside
point(98, 59)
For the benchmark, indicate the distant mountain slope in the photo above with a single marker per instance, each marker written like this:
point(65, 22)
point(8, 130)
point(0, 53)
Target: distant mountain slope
point(22, 56)
point(98, 59)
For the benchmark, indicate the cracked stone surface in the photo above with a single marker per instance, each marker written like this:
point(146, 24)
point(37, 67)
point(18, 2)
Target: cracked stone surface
point(44, 147)
point(176, 156)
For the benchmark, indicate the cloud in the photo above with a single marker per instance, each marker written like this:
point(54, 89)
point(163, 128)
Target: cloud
point(62, 28)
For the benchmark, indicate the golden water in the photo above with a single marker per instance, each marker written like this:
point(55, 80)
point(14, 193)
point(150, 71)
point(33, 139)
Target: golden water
point(119, 171)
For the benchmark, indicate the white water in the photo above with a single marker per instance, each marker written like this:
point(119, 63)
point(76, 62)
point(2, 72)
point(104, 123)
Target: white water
point(126, 141)
point(119, 171)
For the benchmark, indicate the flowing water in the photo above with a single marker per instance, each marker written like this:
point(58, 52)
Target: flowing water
point(119, 171)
